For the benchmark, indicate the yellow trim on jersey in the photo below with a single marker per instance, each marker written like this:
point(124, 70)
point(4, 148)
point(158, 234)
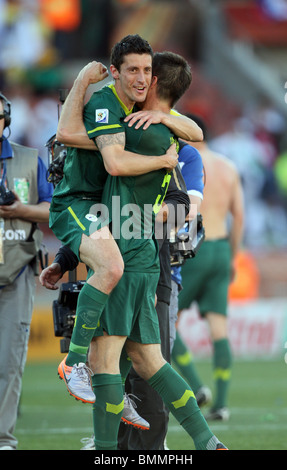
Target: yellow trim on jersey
point(76, 218)
point(112, 126)
point(174, 112)
point(125, 108)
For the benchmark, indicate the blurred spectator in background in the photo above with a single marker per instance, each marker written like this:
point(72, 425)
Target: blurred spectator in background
point(22, 33)
point(276, 9)
point(43, 122)
point(81, 27)
point(252, 144)
point(280, 169)
point(35, 117)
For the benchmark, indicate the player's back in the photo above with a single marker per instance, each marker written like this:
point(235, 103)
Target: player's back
point(221, 177)
point(138, 199)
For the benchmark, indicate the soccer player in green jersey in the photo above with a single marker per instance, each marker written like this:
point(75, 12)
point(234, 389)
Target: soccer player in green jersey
point(85, 173)
point(129, 319)
point(130, 313)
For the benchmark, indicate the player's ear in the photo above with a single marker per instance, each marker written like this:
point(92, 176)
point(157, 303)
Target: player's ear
point(153, 81)
point(114, 71)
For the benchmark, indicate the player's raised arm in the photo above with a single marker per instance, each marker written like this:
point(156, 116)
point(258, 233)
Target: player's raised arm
point(71, 130)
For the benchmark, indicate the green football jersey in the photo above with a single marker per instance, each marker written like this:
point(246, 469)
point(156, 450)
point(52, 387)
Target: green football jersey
point(84, 171)
point(134, 201)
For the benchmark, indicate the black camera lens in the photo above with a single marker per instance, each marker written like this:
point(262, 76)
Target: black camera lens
point(6, 197)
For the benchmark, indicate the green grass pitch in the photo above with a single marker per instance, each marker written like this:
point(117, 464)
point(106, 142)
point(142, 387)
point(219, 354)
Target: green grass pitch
point(49, 419)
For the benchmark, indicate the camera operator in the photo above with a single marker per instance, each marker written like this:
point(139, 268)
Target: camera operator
point(25, 197)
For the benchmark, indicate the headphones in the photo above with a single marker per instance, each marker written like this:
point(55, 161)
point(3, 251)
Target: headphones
point(7, 110)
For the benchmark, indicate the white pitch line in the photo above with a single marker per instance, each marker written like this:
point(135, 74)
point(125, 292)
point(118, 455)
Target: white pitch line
point(51, 431)
point(238, 427)
point(267, 426)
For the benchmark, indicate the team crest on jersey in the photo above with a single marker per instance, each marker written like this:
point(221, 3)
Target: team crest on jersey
point(102, 115)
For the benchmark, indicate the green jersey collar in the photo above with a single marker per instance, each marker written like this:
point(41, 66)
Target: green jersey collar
point(126, 110)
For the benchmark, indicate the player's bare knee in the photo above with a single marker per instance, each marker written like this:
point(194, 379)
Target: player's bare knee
point(113, 273)
point(146, 360)
point(140, 368)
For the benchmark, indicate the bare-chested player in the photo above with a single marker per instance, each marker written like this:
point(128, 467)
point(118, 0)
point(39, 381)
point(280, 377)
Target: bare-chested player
point(205, 278)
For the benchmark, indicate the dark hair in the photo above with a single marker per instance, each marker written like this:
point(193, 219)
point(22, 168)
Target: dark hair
point(200, 122)
point(131, 44)
point(173, 75)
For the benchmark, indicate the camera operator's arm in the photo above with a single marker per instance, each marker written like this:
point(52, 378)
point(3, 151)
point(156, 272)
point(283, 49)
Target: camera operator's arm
point(65, 260)
point(32, 213)
point(195, 203)
point(38, 212)
point(193, 174)
point(50, 276)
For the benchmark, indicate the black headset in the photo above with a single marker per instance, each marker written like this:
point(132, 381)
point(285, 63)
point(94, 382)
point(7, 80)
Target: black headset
point(7, 110)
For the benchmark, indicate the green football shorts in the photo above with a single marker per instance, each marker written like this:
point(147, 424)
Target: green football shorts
point(206, 278)
point(80, 216)
point(130, 309)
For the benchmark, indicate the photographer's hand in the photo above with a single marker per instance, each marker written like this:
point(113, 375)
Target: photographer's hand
point(30, 212)
point(12, 211)
point(50, 276)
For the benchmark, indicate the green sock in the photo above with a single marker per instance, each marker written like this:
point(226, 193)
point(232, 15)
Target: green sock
point(180, 400)
point(182, 359)
point(107, 410)
point(91, 303)
point(125, 366)
point(222, 361)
